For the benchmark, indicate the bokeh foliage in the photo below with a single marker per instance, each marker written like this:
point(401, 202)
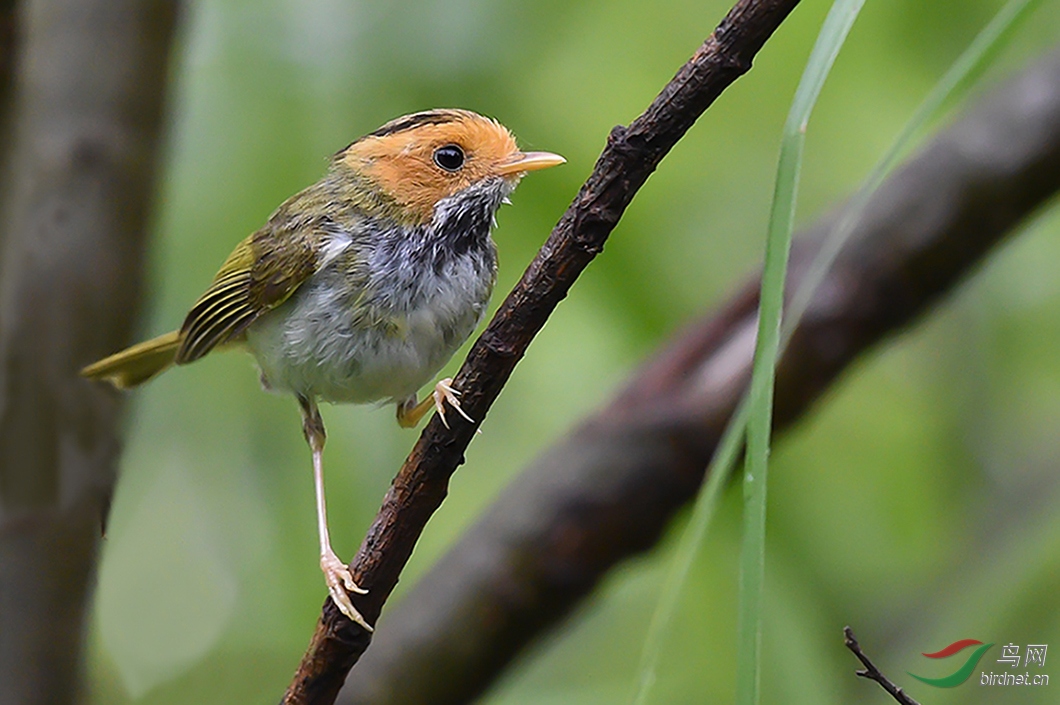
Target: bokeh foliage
point(919, 503)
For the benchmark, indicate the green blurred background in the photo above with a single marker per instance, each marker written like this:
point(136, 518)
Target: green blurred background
point(918, 503)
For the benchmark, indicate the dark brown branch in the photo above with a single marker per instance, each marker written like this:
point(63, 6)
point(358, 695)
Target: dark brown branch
point(873, 673)
point(608, 490)
point(631, 155)
point(86, 120)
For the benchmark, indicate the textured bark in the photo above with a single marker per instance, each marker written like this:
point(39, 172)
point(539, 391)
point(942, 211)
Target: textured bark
point(631, 155)
point(608, 490)
point(85, 119)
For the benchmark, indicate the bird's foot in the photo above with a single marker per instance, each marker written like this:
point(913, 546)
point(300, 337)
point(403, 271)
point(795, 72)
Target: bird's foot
point(409, 411)
point(340, 584)
point(444, 392)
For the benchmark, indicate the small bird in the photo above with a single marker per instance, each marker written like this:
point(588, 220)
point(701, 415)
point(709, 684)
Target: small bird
point(361, 287)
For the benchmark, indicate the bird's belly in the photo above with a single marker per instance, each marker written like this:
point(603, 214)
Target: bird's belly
point(321, 343)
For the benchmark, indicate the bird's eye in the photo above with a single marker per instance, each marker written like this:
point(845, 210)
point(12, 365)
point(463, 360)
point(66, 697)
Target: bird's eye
point(450, 157)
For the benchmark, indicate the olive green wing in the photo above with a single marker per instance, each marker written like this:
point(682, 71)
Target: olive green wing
point(260, 274)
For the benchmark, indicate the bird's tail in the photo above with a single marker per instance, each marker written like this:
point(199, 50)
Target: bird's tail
point(134, 366)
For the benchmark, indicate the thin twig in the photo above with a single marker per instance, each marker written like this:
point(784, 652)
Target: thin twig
point(631, 155)
point(871, 672)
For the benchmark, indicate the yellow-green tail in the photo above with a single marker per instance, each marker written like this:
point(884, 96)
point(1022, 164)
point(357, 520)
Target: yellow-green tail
point(134, 366)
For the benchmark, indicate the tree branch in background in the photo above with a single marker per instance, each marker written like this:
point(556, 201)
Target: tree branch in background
point(86, 118)
point(631, 155)
point(873, 673)
point(608, 490)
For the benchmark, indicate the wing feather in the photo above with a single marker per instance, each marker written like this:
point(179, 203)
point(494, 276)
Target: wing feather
point(211, 320)
point(226, 329)
point(260, 274)
point(214, 303)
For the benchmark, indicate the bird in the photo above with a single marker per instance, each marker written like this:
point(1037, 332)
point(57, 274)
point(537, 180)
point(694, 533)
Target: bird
point(359, 288)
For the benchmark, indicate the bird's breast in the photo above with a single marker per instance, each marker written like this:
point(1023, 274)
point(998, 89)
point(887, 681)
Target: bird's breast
point(374, 325)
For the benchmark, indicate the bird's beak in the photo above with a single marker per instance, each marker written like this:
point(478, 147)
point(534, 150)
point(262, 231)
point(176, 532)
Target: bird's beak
point(522, 162)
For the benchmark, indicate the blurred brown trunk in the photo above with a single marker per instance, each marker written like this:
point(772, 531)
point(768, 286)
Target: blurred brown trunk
point(84, 115)
point(9, 49)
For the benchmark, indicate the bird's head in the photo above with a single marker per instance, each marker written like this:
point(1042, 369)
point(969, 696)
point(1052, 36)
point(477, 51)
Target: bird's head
point(419, 160)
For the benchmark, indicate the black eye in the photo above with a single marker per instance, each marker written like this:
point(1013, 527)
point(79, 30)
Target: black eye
point(450, 157)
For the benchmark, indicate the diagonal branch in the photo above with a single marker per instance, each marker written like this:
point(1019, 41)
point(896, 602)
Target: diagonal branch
point(608, 490)
point(631, 155)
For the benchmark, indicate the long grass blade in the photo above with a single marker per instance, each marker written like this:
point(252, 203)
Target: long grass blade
point(970, 64)
point(833, 33)
point(961, 74)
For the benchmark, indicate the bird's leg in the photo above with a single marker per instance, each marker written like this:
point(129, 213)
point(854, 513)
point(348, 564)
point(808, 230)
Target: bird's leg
point(409, 412)
point(336, 573)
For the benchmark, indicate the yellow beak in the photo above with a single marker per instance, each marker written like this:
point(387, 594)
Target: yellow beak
point(522, 162)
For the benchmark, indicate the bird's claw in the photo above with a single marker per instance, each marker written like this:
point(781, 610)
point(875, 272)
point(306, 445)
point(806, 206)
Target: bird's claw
point(340, 583)
point(444, 392)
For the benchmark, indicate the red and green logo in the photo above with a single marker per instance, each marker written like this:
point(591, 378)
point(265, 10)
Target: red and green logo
point(961, 674)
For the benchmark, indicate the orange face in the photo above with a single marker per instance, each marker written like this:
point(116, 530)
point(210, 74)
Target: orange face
point(419, 159)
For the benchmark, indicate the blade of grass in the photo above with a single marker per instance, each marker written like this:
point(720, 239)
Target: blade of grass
point(970, 64)
point(985, 46)
point(833, 34)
